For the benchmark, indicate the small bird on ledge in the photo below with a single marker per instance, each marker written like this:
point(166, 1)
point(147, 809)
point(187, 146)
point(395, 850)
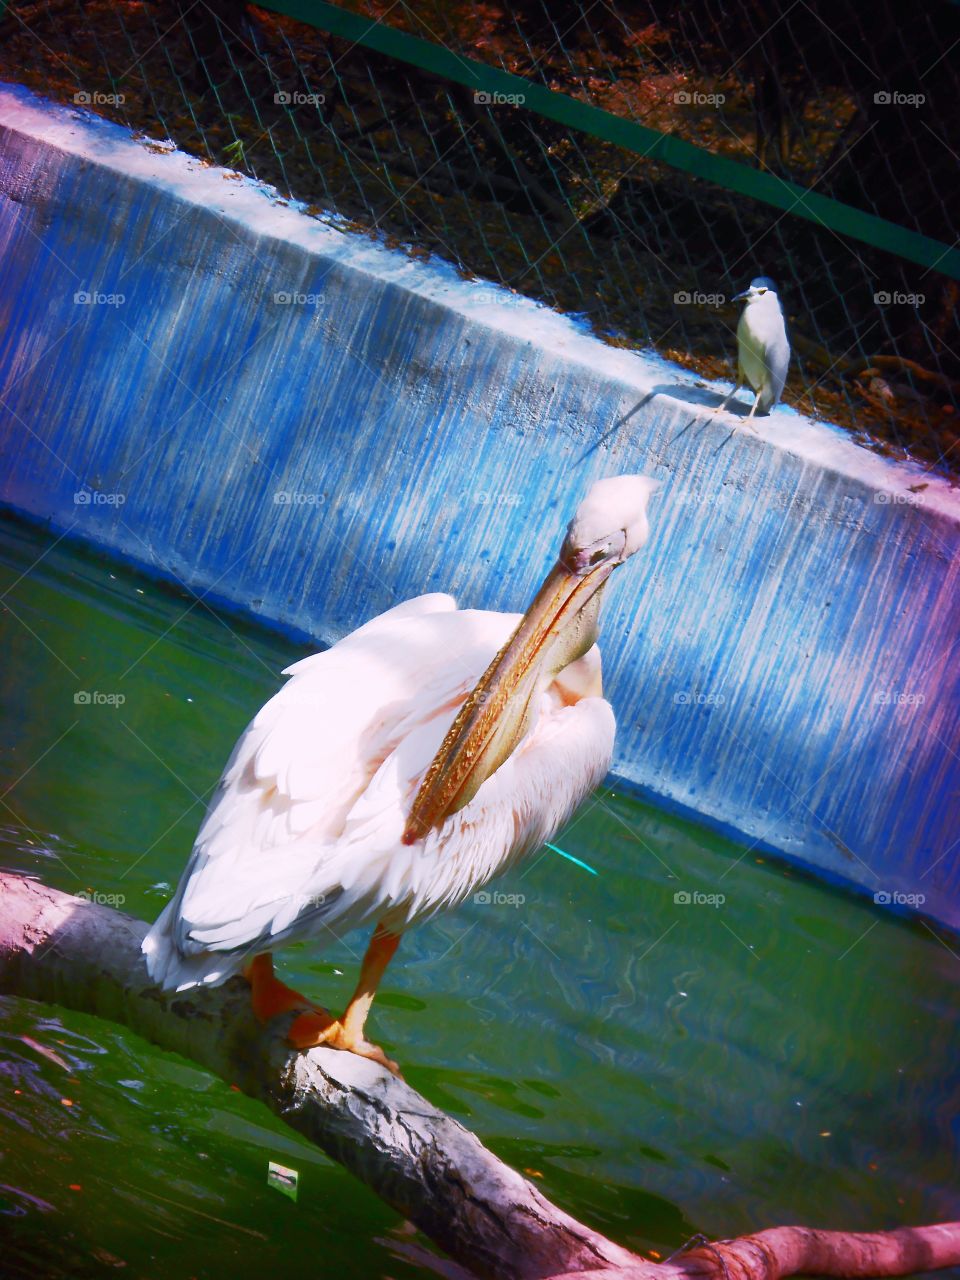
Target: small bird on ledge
point(763, 349)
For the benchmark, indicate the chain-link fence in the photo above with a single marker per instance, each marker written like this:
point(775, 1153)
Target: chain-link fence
point(857, 105)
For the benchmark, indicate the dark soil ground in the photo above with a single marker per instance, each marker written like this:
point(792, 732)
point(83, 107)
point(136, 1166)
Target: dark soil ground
point(582, 225)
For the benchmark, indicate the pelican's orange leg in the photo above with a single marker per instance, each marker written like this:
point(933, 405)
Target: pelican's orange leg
point(347, 1032)
point(269, 995)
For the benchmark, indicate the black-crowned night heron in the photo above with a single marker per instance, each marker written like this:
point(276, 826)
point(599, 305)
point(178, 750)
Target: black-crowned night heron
point(763, 350)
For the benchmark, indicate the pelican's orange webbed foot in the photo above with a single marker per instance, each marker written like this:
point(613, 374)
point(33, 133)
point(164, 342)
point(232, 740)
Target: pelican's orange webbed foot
point(315, 1028)
point(271, 997)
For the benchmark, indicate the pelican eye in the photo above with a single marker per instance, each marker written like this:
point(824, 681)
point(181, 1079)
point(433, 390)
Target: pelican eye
point(597, 557)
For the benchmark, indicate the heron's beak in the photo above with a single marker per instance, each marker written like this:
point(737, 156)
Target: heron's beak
point(559, 627)
point(740, 297)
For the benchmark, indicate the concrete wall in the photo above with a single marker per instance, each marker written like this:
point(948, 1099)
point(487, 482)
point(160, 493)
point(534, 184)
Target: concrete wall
point(781, 658)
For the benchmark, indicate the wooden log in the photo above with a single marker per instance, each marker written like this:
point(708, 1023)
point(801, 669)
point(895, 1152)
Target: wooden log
point(789, 1251)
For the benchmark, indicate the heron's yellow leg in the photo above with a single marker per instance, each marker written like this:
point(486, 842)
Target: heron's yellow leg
point(347, 1032)
point(753, 411)
point(718, 408)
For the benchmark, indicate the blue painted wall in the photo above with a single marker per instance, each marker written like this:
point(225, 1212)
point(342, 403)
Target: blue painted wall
point(781, 657)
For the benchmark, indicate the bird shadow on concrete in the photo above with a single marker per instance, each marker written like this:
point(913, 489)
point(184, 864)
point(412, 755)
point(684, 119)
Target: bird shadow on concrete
point(621, 422)
point(703, 398)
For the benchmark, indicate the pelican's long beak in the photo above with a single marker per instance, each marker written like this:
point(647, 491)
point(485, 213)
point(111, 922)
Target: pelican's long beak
point(557, 629)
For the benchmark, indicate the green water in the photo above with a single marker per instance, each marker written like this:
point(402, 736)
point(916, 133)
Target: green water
point(789, 1056)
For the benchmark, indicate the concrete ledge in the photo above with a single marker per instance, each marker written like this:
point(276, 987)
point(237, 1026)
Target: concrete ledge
point(782, 656)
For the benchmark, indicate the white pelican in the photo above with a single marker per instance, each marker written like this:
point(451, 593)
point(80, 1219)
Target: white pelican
point(396, 773)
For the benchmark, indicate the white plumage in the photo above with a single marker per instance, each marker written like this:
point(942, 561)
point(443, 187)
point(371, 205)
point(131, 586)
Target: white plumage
point(304, 833)
point(763, 348)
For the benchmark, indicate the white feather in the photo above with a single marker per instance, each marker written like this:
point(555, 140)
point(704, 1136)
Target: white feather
point(304, 832)
point(763, 349)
